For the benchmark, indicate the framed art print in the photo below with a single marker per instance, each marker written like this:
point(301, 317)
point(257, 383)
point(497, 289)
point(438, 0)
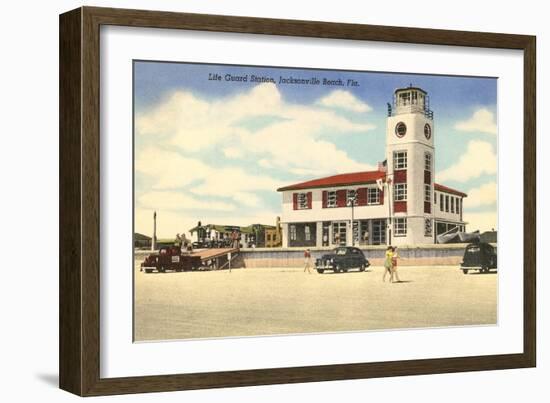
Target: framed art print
point(249, 201)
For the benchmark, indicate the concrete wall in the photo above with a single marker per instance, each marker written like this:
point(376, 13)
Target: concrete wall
point(418, 255)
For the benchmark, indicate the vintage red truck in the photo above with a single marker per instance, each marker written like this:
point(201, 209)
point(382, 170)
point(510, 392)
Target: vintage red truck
point(170, 259)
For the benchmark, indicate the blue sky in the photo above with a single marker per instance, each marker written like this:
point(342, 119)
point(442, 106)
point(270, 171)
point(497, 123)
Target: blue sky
point(259, 136)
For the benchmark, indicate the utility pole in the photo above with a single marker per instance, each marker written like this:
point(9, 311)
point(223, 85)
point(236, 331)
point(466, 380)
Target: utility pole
point(154, 239)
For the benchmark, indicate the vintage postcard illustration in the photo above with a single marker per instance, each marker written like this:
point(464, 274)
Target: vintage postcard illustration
point(279, 200)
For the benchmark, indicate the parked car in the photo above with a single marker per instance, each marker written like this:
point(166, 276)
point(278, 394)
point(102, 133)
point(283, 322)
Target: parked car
point(342, 259)
point(170, 258)
point(479, 256)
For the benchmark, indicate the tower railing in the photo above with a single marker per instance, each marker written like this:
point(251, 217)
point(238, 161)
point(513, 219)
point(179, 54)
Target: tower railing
point(411, 106)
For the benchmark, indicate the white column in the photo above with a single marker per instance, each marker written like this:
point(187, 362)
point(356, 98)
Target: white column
point(284, 228)
point(319, 234)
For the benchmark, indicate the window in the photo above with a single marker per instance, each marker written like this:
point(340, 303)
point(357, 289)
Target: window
point(399, 160)
point(428, 161)
point(400, 192)
point(373, 196)
point(302, 201)
point(400, 226)
point(339, 233)
point(351, 197)
point(458, 205)
point(307, 233)
point(331, 198)
point(400, 129)
point(428, 193)
point(435, 198)
point(447, 203)
point(427, 131)
point(379, 232)
point(428, 227)
point(441, 204)
point(292, 232)
point(452, 204)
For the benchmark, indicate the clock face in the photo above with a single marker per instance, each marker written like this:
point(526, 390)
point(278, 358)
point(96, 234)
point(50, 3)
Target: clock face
point(427, 131)
point(400, 129)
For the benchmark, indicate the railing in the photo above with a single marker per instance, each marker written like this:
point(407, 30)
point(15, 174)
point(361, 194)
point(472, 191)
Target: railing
point(409, 108)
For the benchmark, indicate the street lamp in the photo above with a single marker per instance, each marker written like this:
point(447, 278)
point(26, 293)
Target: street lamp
point(352, 199)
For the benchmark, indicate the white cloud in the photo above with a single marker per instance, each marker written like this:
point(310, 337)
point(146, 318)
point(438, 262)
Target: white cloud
point(345, 100)
point(169, 170)
point(479, 159)
point(484, 195)
point(246, 198)
point(178, 201)
point(294, 136)
point(482, 221)
point(229, 181)
point(483, 120)
point(264, 163)
point(233, 152)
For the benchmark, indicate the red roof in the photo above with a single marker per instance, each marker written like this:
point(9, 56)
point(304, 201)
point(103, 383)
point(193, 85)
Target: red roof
point(353, 178)
point(446, 189)
point(356, 178)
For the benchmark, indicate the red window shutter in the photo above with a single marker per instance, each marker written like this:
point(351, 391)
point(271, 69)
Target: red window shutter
point(362, 196)
point(341, 196)
point(400, 207)
point(325, 198)
point(427, 177)
point(381, 196)
point(295, 201)
point(400, 176)
point(427, 207)
point(309, 200)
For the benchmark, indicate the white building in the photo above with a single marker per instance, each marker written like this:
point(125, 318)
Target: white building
point(399, 203)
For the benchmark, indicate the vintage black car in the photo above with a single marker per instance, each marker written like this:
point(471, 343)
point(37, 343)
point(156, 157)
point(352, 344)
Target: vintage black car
point(479, 256)
point(342, 259)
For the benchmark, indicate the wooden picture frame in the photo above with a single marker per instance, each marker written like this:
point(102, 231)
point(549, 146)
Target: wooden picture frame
point(79, 317)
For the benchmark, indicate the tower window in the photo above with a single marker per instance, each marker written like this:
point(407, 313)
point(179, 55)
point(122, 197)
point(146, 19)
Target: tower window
point(400, 129)
point(428, 161)
point(427, 131)
point(428, 193)
point(428, 228)
point(400, 226)
point(399, 160)
point(400, 192)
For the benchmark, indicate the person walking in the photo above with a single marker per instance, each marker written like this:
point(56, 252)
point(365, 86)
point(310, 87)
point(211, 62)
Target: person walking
point(394, 276)
point(307, 261)
point(388, 264)
point(235, 240)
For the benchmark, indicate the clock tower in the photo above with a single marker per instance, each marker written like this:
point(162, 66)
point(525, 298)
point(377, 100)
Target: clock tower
point(410, 157)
